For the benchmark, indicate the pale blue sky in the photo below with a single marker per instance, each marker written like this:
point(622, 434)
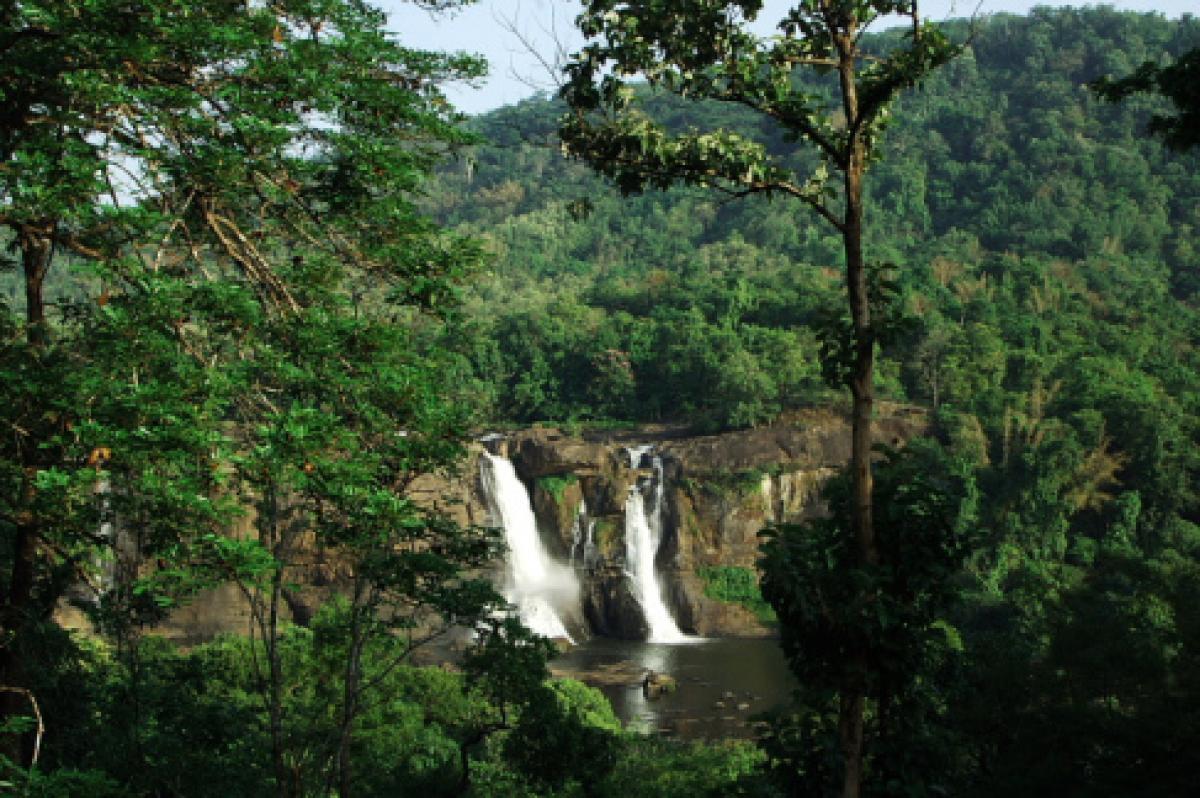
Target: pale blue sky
point(483, 29)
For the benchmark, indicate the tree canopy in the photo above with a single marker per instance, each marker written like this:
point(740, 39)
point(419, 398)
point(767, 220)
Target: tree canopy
point(1179, 82)
point(227, 283)
point(704, 51)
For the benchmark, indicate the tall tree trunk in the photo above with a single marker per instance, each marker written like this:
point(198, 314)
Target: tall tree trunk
point(852, 703)
point(283, 777)
point(17, 605)
point(862, 377)
point(35, 258)
point(284, 787)
point(36, 250)
point(862, 391)
point(350, 693)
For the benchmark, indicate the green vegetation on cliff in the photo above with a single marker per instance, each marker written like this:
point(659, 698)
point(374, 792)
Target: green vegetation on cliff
point(557, 484)
point(736, 586)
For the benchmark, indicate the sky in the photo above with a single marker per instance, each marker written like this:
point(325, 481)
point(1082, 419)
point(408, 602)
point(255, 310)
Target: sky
point(509, 33)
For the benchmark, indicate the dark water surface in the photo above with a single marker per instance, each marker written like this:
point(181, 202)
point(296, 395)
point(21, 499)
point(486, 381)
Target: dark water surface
point(723, 683)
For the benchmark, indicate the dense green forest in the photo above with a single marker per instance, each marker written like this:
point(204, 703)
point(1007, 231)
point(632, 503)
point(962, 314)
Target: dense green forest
point(1041, 249)
point(1030, 226)
point(227, 344)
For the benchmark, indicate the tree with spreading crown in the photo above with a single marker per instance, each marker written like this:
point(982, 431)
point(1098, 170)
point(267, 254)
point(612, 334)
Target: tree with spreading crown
point(705, 51)
point(211, 210)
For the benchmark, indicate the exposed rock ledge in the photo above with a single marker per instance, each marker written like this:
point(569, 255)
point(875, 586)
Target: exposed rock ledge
point(721, 490)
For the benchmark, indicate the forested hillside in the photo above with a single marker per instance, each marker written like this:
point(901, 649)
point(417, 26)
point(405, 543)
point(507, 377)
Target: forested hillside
point(1031, 227)
point(1043, 250)
point(1041, 254)
point(233, 371)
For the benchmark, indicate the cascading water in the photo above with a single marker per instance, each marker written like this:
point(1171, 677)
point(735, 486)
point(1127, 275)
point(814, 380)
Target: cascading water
point(589, 545)
point(537, 585)
point(643, 534)
point(583, 538)
point(577, 531)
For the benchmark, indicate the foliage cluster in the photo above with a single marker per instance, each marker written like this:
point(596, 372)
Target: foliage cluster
point(556, 485)
point(155, 719)
point(220, 317)
point(725, 483)
point(988, 649)
point(736, 585)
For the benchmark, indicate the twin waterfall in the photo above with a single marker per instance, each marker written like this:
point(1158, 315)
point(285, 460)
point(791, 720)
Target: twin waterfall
point(543, 590)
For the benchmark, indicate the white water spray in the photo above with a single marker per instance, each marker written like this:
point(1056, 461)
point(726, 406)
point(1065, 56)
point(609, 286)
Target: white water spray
point(643, 535)
point(537, 585)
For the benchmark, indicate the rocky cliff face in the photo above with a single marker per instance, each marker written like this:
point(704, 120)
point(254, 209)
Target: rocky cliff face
point(720, 491)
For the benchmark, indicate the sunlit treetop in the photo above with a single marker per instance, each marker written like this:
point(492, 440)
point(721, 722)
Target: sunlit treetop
point(226, 123)
point(704, 50)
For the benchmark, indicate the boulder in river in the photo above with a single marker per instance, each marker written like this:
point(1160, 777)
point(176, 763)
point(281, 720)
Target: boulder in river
point(655, 685)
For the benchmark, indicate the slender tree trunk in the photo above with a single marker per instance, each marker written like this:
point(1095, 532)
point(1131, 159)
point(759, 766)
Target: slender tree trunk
point(464, 768)
point(36, 249)
point(15, 613)
point(852, 704)
point(862, 378)
point(853, 700)
point(35, 258)
point(464, 751)
point(283, 778)
point(850, 736)
point(350, 693)
point(17, 605)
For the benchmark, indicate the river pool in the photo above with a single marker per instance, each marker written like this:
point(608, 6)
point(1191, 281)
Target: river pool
point(722, 683)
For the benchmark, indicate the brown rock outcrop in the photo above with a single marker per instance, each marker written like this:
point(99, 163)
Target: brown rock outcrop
point(720, 492)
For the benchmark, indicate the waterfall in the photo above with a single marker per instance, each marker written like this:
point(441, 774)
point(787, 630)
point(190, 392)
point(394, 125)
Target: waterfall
point(643, 535)
point(577, 530)
point(583, 538)
point(589, 545)
point(536, 584)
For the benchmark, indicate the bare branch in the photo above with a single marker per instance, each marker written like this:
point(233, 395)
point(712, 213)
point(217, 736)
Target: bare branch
point(811, 132)
point(246, 254)
point(175, 225)
point(553, 62)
